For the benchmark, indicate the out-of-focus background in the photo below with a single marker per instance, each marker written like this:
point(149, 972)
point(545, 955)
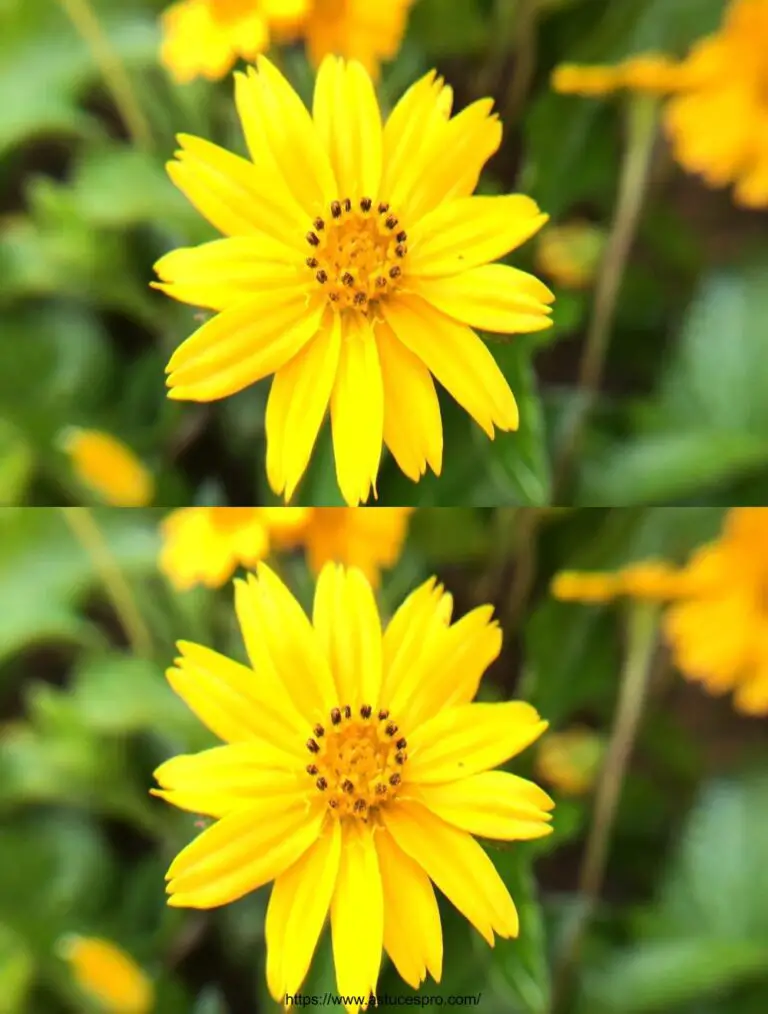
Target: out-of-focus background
point(86, 211)
point(87, 627)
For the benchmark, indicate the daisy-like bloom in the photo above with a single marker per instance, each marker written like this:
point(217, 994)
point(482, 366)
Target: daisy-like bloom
point(107, 975)
point(717, 114)
point(355, 772)
point(716, 622)
point(355, 265)
point(108, 468)
point(205, 545)
point(357, 29)
point(205, 38)
point(369, 538)
point(570, 760)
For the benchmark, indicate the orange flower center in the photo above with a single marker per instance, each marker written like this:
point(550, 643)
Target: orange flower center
point(357, 253)
point(357, 760)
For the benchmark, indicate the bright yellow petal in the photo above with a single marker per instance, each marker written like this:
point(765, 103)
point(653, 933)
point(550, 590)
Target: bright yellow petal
point(413, 428)
point(450, 667)
point(357, 915)
point(357, 412)
point(457, 158)
point(298, 401)
point(229, 698)
point(493, 804)
point(280, 133)
point(109, 468)
point(470, 738)
point(242, 851)
point(346, 619)
point(457, 864)
point(108, 975)
point(227, 271)
point(220, 780)
point(470, 231)
point(494, 297)
point(404, 131)
point(346, 112)
point(413, 937)
point(457, 358)
point(296, 912)
point(417, 624)
point(280, 640)
point(233, 194)
point(244, 344)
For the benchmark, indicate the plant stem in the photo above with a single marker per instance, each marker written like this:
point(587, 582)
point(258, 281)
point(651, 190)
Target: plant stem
point(85, 529)
point(633, 184)
point(86, 22)
point(642, 629)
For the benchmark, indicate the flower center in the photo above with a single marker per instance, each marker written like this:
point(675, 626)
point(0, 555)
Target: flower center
point(357, 253)
point(357, 760)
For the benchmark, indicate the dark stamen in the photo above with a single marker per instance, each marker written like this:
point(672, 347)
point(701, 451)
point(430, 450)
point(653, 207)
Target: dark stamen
point(365, 204)
point(333, 803)
point(365, 711)
point(400, 758)
point(381, 282)
point(359, 806)
point(347, 785)
point(311, 769)
point(322, 784)
point(380, 788)
point(347, 279)
point(383, 209)
point(347, 711)
point(395, 272)
point(319, 224)
point(319, 730)
point(401, 237)
point(383, 715)
point(312, 746)
point(400, 250)
point(335, 716)
point(312, 262)
point(336, 209)
point(395, 779)
point(391, 222)
point(322, 276)
point(391, 729)
point(347, 204)
point(402, 743)
point(312, 239)
point(360, 298)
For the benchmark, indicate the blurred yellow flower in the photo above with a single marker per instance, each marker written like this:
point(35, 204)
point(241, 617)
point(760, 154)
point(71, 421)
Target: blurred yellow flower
point(107, 975)
point(569, 254)
point(717, 621)
point(205, 38)
point(355, 267)
point(355, 772)
point(570, 760)
point(369, 538)
point(108, 468)
point(205, 545)
point(717, 117)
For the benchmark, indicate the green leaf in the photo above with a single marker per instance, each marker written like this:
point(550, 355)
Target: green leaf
point(655, 976)
point(44, 571)
point(16, 464)
point(17, 969)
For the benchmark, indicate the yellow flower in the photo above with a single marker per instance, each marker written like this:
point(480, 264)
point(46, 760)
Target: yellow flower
point(108, 975)
point(108, 468)
point(206, 37)
point(205, 545)
point(717, 622)
point(355, 266)
point(355, 772)
point(369, 538)
point(357, 29)
point(569, 254)
point(570, 760)
point(717, 117)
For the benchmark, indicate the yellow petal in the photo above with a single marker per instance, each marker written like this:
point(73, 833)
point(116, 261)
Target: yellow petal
point(297, 908)
point(494, 297)
point(357, 916)
point(457, 158)
point(575, 79)
point(470, 231)
point(413, 428)
point(233, 194)
point(220, 780)
point(108, 974)
point(243, 851)
point(244, 344)
point(457, 358)
point(346, 619)
point(457, 864)
point(418, 622)
point(227, 271)
point(280, 133)
point(198, 549)
point(493, 804)
point(346, 112)
point(450, 668)
point(404, 130)
point(413, 937)
point(229, 698)
point(357, 412)
point(298, 400)
point(109, 468)
point(470, 738)
point(280, 640)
